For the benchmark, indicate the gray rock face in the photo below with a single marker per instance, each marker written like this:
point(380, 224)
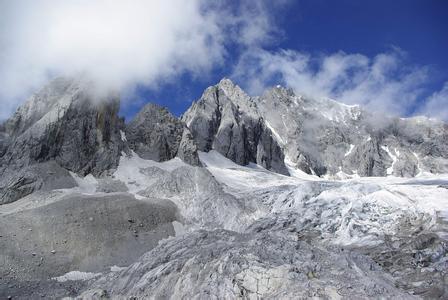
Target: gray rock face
point(156, 134)
point(227, 120)
point(64, 123)
point(323, 136)
point(188, 150)
point(79, 132)
point(370, 159)
point(4, 140)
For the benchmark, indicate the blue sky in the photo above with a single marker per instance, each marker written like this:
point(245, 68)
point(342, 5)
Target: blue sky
point(389, 56)
point(418, 28)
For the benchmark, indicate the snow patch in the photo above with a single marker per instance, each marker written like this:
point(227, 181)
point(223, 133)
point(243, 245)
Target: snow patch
point(123, 136)
point(86, 185)
point(117, 268)
point(77, 275)
point(390, 170)
point(179, 228)
point(275, 133)
point(129, 171)
point(242, 178)
point(349, 150)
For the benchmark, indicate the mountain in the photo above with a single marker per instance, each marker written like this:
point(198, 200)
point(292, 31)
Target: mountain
point(317, 136)
point(68, 124)
point(274, 196)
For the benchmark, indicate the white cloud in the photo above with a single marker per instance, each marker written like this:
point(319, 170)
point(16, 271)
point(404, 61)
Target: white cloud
point(381, 83)
point(123, 43)
point(118, 43)
point(437, 104)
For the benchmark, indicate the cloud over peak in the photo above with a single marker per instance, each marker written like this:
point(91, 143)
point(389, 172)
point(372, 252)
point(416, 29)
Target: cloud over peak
point(382, 83)
point(121, 44)
point(117, 43)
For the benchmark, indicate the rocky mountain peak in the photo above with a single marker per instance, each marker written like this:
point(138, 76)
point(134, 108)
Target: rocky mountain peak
point(228, 87)
point(320, 238)
point(40, 104)
point(279, 91)
point(156, 134)
point(226, 119)
point(61, 123)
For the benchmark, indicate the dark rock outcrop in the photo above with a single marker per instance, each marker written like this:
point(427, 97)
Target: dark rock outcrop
point(156, 134)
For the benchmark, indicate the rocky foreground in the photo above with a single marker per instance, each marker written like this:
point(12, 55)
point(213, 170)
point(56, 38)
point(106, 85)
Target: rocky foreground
point(277, 196)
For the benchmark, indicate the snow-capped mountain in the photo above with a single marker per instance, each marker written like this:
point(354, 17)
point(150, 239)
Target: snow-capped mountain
point(276, 196)
point(317, 136)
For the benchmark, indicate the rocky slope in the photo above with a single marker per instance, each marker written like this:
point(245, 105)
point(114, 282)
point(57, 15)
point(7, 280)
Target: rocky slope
point(322, 136)
point(67, 123)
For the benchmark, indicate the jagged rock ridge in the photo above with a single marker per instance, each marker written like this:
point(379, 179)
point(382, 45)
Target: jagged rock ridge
point(317, 136)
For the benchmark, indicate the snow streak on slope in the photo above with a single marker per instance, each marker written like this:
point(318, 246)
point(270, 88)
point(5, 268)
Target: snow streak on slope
point(394, 158)
point(77, 275)
point(349, 150)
